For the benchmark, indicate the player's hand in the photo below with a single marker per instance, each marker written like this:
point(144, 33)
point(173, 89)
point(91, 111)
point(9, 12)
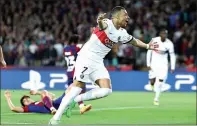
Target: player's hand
point(3, 63)
point(33, 92)
point(172, 71)
point(101, 17)
point(7, 94)
point(153, 46)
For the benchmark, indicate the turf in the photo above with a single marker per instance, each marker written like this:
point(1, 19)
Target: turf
point(118, 108)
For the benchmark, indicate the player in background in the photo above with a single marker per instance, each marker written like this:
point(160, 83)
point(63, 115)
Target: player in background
point(47, 104)
point(70, 53)
point(89, 64)
point(157, 62)
point(2, 61)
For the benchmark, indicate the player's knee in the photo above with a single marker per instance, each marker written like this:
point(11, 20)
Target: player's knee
point(78, 84)
point(104, 83)
point(83, 89)
point(44, 93)
point(106, 92)
point(110, 91)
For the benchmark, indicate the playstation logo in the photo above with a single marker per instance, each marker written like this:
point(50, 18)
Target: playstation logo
point(34, 82)
point(165, 87)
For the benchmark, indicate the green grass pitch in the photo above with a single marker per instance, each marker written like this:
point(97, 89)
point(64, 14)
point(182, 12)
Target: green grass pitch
point(118, 108)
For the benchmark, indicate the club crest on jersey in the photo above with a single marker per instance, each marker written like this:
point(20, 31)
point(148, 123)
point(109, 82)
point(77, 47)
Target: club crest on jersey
point(108, 43)
point(81, 76)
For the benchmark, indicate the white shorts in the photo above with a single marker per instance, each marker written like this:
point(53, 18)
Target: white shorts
point(87, 70)
point(159, 73)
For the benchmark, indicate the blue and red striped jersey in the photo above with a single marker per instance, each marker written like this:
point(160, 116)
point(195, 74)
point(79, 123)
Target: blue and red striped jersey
point(70, 53)
point(36, 107)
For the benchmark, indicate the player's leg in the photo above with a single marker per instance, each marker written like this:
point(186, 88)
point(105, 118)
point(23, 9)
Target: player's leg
point(81, 75)
point(83, 108)
point(152, 82)
point(162, 74)
point(157, 88)
point(104, 90)
point(51, 95)
point(152, 78)
point(70, 83)
point(101, 77)
point(66, 100)
point(47, 101)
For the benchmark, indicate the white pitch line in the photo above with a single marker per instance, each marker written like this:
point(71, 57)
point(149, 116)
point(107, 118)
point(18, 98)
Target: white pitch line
point(96, 109)
point(18, 114)
point(119, 108)
point(8, 123)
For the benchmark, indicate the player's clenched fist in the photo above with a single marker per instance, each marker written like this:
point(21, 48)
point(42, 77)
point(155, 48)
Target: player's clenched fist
point(7, 94)
point(33, 92)
point(101, 17)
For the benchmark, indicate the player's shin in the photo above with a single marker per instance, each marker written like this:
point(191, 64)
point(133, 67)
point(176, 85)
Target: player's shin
point(48, 103)
point(93, 94)
point(157, 88)
point(81, 104)
point(66, 101)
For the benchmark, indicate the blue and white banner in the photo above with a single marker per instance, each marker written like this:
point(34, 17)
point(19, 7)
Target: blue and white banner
point(121, 81)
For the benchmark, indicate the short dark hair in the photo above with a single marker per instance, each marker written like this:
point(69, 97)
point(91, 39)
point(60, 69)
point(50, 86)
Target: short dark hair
point(73, 39)
point(163, 30)
point(116, 9)
point(22, 98)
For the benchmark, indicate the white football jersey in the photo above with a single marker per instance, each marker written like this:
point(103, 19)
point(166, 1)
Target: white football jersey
point(102, 41)
point(159, 58)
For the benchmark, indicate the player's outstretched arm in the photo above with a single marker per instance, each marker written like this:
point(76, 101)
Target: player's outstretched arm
point(101, 24)
point(2, 61)
point(139, 43)
point(42, 93)
point(10, 104)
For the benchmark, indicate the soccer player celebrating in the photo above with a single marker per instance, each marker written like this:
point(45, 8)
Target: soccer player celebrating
point(89, 64)
point(157, 62)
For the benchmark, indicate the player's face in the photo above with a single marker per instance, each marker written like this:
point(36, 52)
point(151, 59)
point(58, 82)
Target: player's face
point(163, 35)
point(27, 101)
point(123, 18)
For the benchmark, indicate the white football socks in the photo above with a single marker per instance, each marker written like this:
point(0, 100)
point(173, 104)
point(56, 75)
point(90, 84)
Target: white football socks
point(93, 94)
point(67, 99)
point(81, 106)
point(157, 88)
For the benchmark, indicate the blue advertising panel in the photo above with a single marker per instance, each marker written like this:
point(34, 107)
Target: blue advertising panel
point(121, 81)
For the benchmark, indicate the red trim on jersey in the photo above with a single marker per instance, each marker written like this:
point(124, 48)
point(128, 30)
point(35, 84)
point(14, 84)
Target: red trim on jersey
point(102, 36)
point(77, 49)
point(25, 108)
point(38, 103)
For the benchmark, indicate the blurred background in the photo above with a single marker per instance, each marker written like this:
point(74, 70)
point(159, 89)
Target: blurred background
point(35, 31)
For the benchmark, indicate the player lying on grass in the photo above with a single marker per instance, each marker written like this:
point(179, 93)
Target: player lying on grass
point(47, 104)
